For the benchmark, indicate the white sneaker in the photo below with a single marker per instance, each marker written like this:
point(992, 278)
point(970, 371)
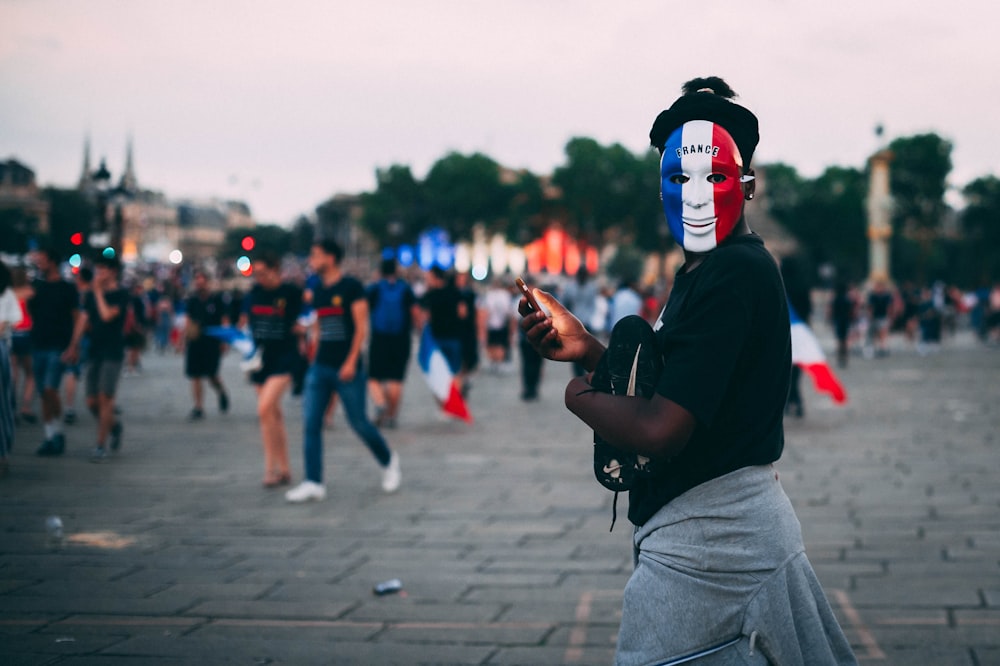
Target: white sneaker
point(307, 491)
point(391, 476)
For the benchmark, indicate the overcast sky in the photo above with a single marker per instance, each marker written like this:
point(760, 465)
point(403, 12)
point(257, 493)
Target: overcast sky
point(283, 104)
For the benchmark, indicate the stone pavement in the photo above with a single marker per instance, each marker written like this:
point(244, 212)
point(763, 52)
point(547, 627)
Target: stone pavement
point(174, 554)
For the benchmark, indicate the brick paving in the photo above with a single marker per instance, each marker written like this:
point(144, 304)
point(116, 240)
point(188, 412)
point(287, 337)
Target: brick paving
point(174, 554)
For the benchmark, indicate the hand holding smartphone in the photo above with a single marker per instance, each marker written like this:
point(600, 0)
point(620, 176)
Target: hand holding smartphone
point(526, 291)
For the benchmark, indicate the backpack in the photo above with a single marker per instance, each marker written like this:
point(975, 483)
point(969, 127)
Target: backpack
point(389, 307)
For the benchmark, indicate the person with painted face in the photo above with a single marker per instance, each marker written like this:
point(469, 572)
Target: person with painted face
point(687, 417)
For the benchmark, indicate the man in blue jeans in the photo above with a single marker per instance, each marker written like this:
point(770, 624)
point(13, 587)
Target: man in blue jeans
point(340, 328)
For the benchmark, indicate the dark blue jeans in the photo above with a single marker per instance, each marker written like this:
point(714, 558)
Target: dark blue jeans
point(321, 382)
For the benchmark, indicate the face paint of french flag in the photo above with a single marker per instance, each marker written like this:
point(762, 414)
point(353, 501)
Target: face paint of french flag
point(701, 213)
point(807, 354)
point(440, 378)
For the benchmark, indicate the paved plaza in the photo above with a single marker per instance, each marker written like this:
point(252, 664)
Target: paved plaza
point(173, 553)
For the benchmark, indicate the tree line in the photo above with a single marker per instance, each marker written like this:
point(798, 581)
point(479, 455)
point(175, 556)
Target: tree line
point(608, 194)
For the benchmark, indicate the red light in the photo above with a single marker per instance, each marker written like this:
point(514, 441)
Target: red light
point(248, 243)
point(76, 239)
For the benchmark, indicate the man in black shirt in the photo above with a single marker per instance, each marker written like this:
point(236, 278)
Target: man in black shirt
point(341, 328)
point(54, 307)
point(104, 315)
point(720, 567)
point(203, 353)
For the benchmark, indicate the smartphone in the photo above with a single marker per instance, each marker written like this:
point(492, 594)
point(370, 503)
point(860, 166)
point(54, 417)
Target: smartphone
point(527, 294)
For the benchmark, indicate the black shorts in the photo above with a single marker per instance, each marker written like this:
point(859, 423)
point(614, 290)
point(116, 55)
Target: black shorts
point(20, 345)
point(280, 363)
point(201, 359)
point(498, 337)
point(388, 356)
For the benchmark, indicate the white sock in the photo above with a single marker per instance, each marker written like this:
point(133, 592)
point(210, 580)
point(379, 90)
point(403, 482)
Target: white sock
point(50, 429)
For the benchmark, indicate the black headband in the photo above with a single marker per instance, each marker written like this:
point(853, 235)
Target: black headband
point(738, 121)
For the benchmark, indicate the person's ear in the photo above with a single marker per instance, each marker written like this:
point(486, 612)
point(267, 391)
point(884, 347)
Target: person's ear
point(749, 184)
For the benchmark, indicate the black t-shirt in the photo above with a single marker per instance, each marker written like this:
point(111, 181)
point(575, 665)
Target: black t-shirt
point(205, 312)
point(52, 308)
point(726, 343)
point(879, 302)
point(332, 305)
point(442, 305)
point(107, 338)
point(272, 314)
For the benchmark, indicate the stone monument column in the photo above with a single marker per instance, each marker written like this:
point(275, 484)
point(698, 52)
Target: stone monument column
point(879, 217)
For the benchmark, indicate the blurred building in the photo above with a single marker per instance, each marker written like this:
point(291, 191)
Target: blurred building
point(24, 212)
point(146, 225)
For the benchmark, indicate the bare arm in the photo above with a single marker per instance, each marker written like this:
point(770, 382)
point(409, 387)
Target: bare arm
point(655, 428)
point(359, 313)
point(105, 310)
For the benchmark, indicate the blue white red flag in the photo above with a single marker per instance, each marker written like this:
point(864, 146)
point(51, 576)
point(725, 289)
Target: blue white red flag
point(808, 355)
point(440, 378)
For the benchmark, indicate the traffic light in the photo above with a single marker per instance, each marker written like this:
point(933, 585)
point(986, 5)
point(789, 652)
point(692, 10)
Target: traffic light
point(248, 243)
point(76, 239)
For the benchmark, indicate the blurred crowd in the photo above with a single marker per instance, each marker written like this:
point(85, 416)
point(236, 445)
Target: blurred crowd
point(163, 311)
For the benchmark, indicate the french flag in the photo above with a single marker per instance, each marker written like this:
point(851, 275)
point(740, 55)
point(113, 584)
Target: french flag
point(440, 378)
point(807, 354)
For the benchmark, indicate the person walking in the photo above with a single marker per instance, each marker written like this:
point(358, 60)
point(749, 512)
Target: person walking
point(499, 323)
point(580, 297)
point(54, 309)
point(391, 302)
point(799, 292)
point(842, 315)
point(443, 309)
point(103, 320)
point(341, 327)
point(203, 353)
point(271, 310)
point(720, 566)
point(10, 316)
point(74, 371)
point(23, 385)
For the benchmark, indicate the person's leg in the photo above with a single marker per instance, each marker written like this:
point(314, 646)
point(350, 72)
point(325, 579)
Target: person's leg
point(272, 426)
point(263, 419)
point(28, 389)
point(48, 375)
point(352, 395)
point(531, 366)
point(331, 407)
point(69, 393)
point(380, 398)
point(315, 398)
point(794, 404)
point(220, 392)
point(394, 397)
point(108, 429)
point(197, 396)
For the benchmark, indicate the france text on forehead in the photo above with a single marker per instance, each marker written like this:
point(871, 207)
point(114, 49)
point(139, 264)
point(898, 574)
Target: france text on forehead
point(698, 148)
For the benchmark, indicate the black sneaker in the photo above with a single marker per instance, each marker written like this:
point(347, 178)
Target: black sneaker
point(116, 436)
point(196, 414)
point(631, 365)
point(69, 418)
point(46, 449)
point(223, 402)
